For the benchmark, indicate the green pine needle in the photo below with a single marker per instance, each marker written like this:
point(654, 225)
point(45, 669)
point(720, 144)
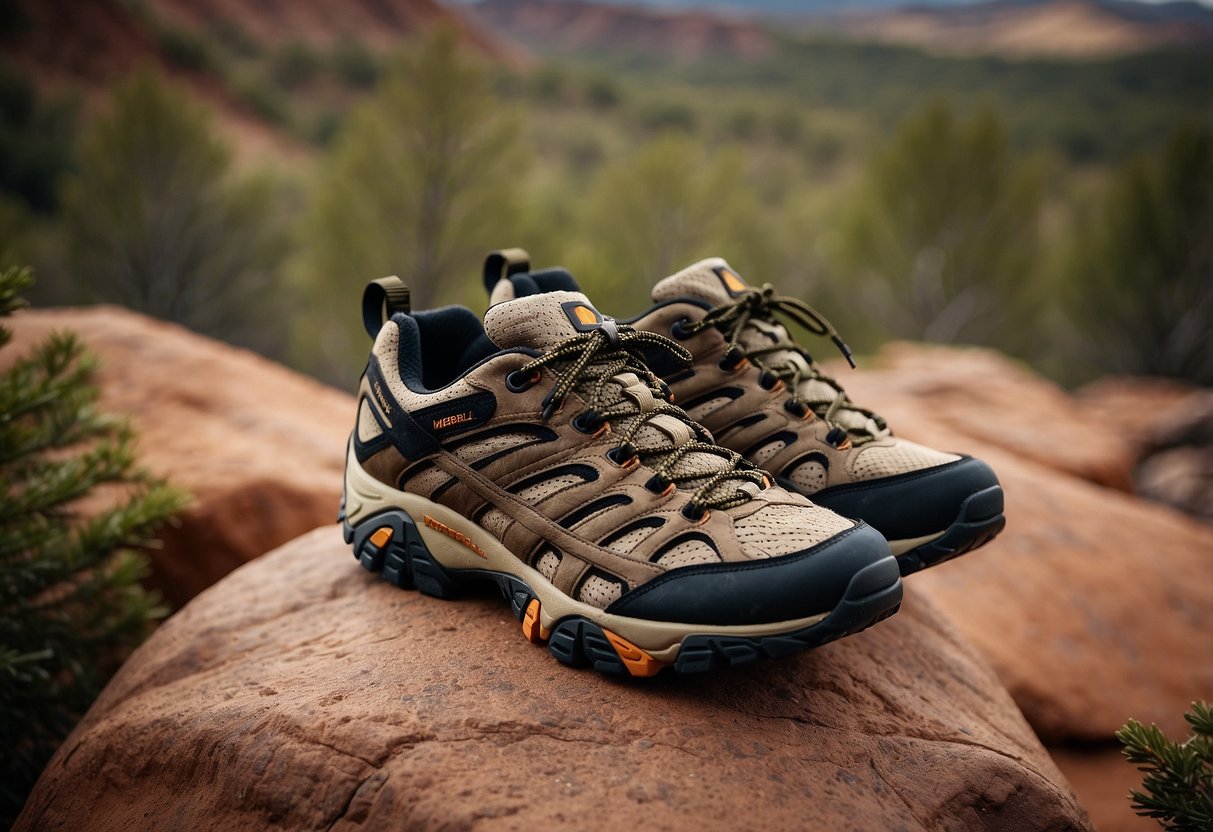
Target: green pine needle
point(70, 579)
point(1177, 789)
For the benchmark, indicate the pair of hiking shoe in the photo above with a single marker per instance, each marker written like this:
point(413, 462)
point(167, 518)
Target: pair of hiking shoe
point(639, 490)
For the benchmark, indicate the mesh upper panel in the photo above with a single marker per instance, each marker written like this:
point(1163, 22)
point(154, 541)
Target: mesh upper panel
point(547, 562)
point(632, 539)
point(687, 553)
point(599, 592)
point(783, 529)
point(811, 476)
point(495, 521)
point(760, 456)
point(885, 461)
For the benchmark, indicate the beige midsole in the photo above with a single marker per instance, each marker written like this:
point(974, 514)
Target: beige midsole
point(366, 496)
point(900, 547)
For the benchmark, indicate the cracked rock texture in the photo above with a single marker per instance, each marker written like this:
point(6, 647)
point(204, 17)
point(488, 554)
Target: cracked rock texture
point(261, 448)
point(303, 692)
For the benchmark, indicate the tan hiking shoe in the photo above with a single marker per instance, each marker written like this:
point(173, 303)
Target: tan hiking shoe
point(762, 395)
point(541, 453)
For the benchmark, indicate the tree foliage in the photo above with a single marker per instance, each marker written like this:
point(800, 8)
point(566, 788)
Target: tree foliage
point(943, 237)
point(1141, 271)
point(660, 208)
point(155, 221)
point(1177, 789)
point(422, 181)
point(69, 575)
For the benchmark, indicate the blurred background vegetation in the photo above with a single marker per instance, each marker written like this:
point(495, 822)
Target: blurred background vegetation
point(245, 177)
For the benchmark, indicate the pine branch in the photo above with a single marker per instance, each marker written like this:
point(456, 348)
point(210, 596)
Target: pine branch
point(1177, 789)
point(70, 576)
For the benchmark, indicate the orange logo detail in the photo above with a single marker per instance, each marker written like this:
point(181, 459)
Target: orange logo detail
point(454, 535)
point(731, 281)
point(457, 419)
point(585, 314)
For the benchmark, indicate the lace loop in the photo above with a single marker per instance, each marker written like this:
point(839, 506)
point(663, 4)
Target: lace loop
point(764, 305)
point(609, 369)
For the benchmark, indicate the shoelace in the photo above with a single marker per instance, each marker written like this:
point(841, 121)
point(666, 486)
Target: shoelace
point(763, 305)
point(611, 357)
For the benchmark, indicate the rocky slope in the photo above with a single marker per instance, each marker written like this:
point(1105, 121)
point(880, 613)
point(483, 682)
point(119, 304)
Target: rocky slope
point(302, 692)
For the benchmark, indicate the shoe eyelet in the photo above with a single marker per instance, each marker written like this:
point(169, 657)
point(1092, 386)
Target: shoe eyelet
point(679, 330)
point(733, 360)
point(659, 485)
point(837, 438)
point(796, 408)
point(517, 382)
point(624, 455)
point(587, 421)
point(769, 381)
point(698, 516)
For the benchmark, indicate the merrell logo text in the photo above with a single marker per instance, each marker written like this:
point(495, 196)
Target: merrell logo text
point(454, 535)
point(382, 399)
point(450, 421)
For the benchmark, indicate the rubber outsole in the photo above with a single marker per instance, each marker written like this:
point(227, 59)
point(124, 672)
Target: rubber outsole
point(979, 521)
point(403, 559)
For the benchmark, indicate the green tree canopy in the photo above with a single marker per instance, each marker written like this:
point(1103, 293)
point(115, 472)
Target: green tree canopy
point(1141, 272)
point(155, 220)
point(942, 239)
point(661, 208)
point(423, 180)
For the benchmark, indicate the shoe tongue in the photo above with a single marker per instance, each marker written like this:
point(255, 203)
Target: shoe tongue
point(540, 321)
point(711, 281)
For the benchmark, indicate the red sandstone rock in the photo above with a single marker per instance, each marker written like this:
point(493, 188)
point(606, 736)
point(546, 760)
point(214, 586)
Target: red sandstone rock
point(1090, 604)
point(1102, 777)
point(260, 447)
point(302, 692)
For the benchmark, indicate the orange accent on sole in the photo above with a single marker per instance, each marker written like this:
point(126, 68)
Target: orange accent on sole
point(454, 535)
point(534, 631)
point(638, 662)
point(381, 536)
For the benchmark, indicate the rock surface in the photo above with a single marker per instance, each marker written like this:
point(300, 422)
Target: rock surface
point(1102, 779)
point(1089, 602)
point(302, 692)
point(260, 447)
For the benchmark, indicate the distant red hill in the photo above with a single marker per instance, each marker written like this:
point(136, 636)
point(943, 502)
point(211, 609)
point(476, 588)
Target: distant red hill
point(559, 26)
point(86, 44)
point(1022, 28)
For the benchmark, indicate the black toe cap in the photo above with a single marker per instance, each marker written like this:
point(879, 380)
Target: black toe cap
point(914, 504)
point(781, 588)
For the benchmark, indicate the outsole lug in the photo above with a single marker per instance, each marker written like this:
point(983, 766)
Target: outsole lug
point(390, 544)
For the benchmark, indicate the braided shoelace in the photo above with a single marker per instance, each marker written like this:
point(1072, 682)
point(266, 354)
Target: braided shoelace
point(764, 305)
point(607, 367)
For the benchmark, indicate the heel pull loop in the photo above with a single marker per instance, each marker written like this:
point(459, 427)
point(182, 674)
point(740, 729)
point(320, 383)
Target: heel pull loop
point(502, 263)
point(382, 299)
